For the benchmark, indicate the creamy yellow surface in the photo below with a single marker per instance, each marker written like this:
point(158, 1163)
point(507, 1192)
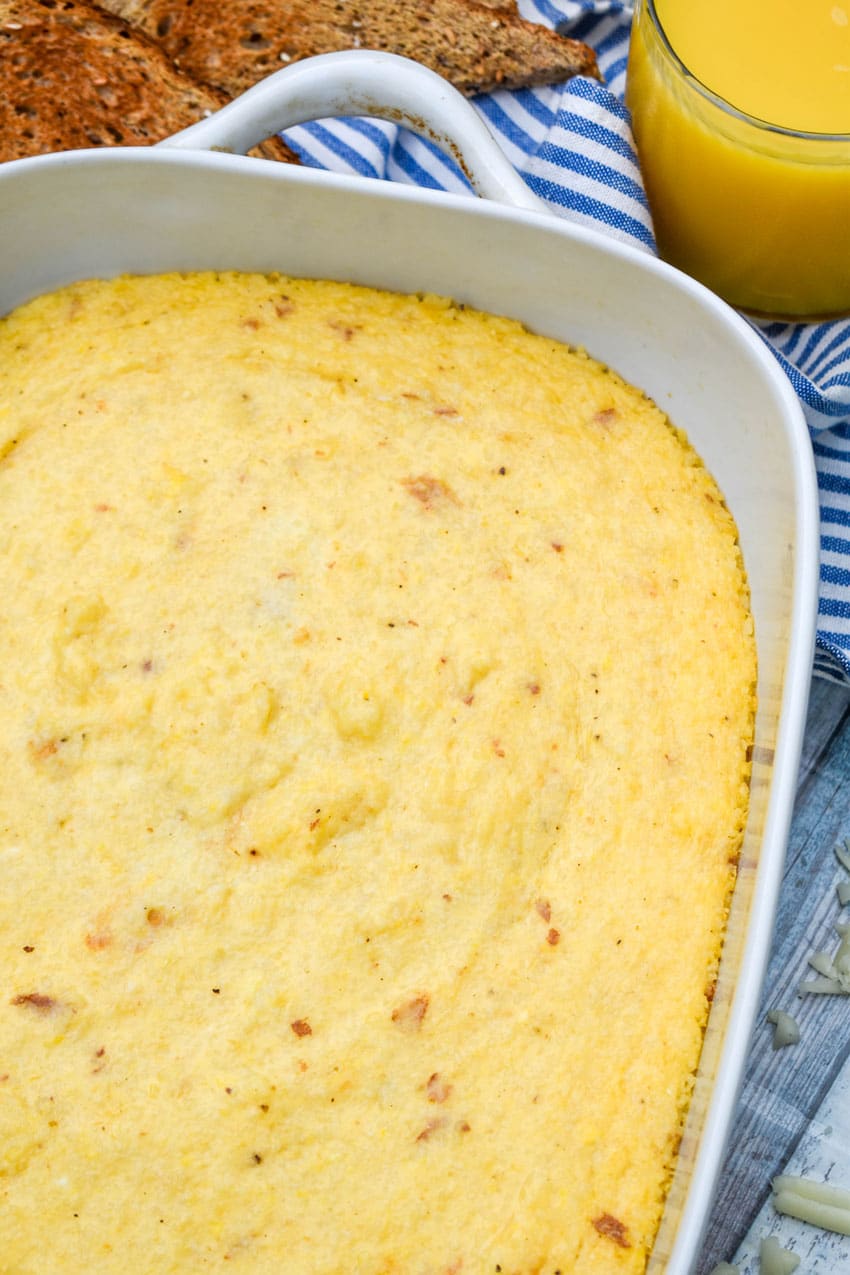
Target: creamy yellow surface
point(375, 690)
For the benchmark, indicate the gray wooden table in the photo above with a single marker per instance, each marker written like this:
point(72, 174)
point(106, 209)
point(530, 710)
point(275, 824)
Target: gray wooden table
point(794, 1110)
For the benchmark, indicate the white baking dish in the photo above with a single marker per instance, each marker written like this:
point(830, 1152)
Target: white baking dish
point(181, 206)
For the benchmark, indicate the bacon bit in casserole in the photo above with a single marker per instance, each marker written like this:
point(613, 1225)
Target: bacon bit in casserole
point(464, 1126)
point(497, 748)
point(28, 947)
point(431, 1127)
point(553, 938)
point(283, 308)
point(346, 330)
point(468, 699)
point(97, 942)
point(40, 752)
point(409, 1016)
point(104, 509)
point(557, 546)
point(251, 323)
point(37, 1000)
point(301, 1027)
point(606, 417)
point(429, 491)
point(436, 1088)
point(99, 1060)
point(534, 688)
point(613, 1229)
point(544, 909)
point(445, 411)
point(156, 917)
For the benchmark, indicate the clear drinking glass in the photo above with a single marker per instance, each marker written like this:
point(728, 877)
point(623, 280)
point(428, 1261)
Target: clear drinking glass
point(758, 212)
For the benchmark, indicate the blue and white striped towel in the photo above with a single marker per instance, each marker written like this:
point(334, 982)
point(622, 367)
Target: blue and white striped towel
point(573, 145)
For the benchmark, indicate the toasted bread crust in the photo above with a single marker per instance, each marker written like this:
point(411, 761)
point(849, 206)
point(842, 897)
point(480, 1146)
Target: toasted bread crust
point(478, 45)
point(73, 76)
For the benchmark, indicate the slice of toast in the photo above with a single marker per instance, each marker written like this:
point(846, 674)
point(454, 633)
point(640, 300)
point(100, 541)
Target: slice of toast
point(73, 76)
point(478, 45)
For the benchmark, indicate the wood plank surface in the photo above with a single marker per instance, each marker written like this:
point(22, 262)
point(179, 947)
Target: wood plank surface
point(784, 1089)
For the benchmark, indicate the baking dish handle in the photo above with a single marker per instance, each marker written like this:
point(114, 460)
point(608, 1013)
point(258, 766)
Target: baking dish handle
point(371, 83)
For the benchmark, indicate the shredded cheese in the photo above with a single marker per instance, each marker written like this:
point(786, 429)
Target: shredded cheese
point(776, 1260)
point(787, 1031)
point(834, 970)
point(817, 1203)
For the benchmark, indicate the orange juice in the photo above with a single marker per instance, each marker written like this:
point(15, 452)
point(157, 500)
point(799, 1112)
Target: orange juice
point(741, 115)
point(784, 61)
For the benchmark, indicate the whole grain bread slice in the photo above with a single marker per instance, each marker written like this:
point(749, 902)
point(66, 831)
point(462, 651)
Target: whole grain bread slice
point(478, 45)
point(73, 76)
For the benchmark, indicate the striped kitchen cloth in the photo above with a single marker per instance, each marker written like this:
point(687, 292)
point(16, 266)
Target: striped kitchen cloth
point(573, 145)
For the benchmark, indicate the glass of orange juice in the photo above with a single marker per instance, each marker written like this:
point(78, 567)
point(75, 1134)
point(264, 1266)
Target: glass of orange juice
point(741, 116)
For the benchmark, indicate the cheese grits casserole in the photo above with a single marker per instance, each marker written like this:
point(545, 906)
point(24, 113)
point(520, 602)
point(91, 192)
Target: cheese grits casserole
point(376, 689)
